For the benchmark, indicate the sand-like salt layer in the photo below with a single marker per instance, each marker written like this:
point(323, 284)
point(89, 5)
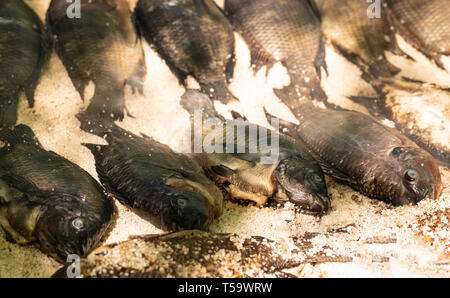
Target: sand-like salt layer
point(359, 237)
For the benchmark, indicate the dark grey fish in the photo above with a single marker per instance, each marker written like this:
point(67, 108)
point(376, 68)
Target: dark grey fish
point(101, 46)
point(23, 47)
point(194, 38)
point(360, 38)
point(374, 159)
point(48, 200)
point(168, 188)
point(254, 163)
point(425, 24)
point(286, 31)
point(190, 254)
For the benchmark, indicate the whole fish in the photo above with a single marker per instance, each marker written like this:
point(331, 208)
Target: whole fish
point(23, 47)
point(425, 24)
point(376, 160)
point(47, 200)
point(260, 165)
point(357, 35)
point(189, 254)
point(101, 46)
point(194, 38)
point(168, 188)
point(286, 31)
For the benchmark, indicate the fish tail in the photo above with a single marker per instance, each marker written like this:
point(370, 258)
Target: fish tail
point(8, 110)
point(95, 125)
point(219, 91)
point(107, 103)
point(383, 68)
point(19, 134)
point(193, 101)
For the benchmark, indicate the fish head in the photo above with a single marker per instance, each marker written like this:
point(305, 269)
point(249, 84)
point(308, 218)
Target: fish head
point(66, 227)
point(188, 209)
point(304, 184)
point(419, 175)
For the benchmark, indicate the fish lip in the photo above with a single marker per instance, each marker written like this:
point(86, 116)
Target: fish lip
point(314, 204)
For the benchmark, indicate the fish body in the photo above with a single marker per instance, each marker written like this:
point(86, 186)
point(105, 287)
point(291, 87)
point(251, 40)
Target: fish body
point(254, 163)
point(363, 40)
point(190, 254)
point(47, 199)
point(286, 31)
point(101, 46)
point(374, 159)
point(424, 24)
point(194, 38)
point(23, 47)
point(168, 188)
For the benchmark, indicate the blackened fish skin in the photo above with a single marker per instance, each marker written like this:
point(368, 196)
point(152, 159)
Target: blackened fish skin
point(169, 188)
point(361, 39)
point(374, 159)
point(23, 47)
point(195, 38)
point(286, 31)
point(101, 46)
point(425, 24)
point(48, 200)
point(292, 174)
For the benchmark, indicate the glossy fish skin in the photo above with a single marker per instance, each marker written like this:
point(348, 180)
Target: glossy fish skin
point(23, 47)
point(48, 200)
point(361, 39)
point(376, 160)
point(194, 38)
point(101, 46)
point(168, 187)
point(425, 24)
point(291, 175)
point(286, 31)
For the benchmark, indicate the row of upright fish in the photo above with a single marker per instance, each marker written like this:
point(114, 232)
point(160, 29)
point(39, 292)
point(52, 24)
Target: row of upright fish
point(47, 199)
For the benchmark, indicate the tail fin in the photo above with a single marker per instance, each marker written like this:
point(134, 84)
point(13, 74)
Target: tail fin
point(219, 91)
point(193, 101)
point(19, 134)
point(95, 125)
point(107, 103)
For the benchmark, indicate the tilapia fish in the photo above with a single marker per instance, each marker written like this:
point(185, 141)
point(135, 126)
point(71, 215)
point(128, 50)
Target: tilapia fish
point(363, 40)
point(286, 31)
point(374, 159)
point(252, 162)
point(23, 45)
point(425, 24)
point(194, 38)
point(101, 46)
point(167, 188)
point(188, 254)
point(47, 200)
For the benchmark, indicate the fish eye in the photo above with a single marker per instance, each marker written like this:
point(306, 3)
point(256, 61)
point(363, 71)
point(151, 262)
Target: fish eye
point(317, 178)
point(181, 202)
point(397, 151)
point(78, 224)
point(411, 176)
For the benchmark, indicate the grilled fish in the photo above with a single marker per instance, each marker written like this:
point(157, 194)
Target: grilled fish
point(425, 24)
point(374, 159)
point(189, 254)
point(101, 46)
point(286, 31)
point(47, 200)
point(242, 161)
point(361, 39)
point(194, 38)
point(168, 188)
point(23, 47)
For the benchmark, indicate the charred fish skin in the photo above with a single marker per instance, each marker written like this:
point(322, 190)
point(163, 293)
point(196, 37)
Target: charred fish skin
point(255, 174)
point(47, 200)
point(376, 160)
point(425, 24)
point(361, 39)
point(169, 188)
point(194, 38)
point(23, 47)
point(101, 46)
point(286, 31)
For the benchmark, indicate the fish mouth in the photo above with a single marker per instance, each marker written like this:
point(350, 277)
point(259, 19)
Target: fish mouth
point(309, 203)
